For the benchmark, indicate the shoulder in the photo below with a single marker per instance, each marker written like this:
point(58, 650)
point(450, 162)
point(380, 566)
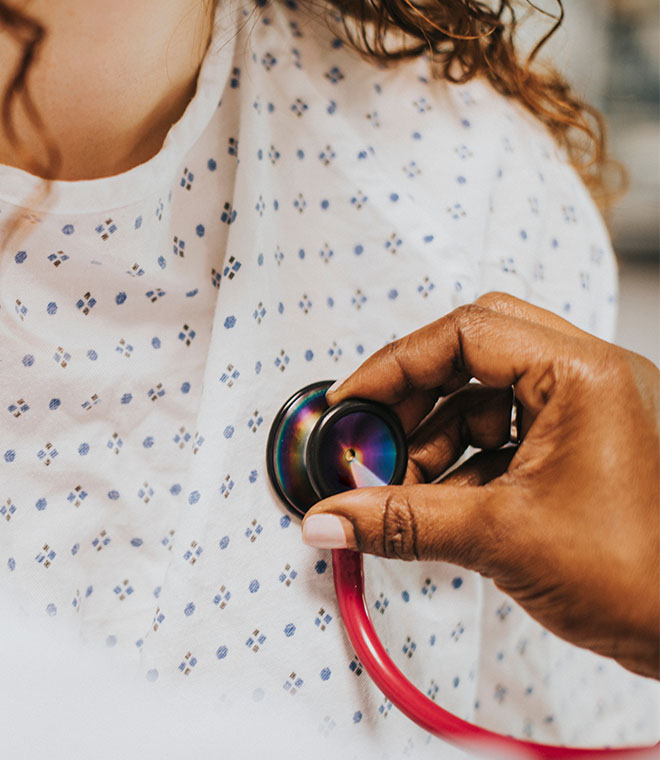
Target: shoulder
point(298, 46)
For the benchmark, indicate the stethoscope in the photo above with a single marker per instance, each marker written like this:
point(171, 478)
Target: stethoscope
point(315, 451)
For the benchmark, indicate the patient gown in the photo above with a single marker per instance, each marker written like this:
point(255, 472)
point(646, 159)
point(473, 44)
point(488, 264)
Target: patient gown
point(307, 208)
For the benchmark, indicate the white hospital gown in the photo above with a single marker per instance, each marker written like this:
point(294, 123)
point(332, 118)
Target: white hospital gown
point(307, 208)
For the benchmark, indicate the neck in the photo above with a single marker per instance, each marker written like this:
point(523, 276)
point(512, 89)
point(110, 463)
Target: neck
point(108, 82)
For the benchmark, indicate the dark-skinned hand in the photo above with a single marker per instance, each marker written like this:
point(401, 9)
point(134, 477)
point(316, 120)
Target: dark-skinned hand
point(568, 521)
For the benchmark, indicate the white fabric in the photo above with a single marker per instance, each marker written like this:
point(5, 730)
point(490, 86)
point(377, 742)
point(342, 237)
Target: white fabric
point(306, 209)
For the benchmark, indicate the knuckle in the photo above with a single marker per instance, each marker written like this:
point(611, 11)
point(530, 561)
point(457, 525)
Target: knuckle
point(470, 315)
point(495, 300)
point(399, 529)
point(466, 321)
point(595, 367)
point(465, 314)
point(417, 470)
point(427, 454)
point(394, 353)
point(619, 364)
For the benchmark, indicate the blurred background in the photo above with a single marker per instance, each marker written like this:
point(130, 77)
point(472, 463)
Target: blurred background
point(610, 51)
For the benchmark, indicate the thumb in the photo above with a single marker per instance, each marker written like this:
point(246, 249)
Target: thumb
point(425, 521)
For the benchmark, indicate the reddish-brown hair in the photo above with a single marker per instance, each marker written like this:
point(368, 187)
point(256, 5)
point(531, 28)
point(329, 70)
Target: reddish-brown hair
point(466, 39)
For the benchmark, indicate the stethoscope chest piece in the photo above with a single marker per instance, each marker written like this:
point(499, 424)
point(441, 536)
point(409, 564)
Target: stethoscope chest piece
point(315, 451)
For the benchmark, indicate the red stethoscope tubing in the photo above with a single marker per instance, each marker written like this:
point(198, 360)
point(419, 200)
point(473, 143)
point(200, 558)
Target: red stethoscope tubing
point(349, 587)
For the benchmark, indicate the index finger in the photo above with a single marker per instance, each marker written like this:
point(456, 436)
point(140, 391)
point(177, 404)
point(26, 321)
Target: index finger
point(473, 341)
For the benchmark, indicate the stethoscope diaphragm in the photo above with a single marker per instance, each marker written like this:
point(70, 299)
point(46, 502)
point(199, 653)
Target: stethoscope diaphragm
point(315, 451)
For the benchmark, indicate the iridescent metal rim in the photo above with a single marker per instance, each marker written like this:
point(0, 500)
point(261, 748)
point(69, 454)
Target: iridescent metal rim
point(275, 438)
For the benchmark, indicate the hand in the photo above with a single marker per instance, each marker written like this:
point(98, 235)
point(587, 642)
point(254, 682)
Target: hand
point(567, 522)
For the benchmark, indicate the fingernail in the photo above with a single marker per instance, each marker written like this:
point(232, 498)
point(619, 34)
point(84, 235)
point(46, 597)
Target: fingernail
point(336, 385)
point(328, 532)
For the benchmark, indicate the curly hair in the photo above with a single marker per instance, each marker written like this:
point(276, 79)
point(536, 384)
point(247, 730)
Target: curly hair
point(468, 38)
point(464, 39)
